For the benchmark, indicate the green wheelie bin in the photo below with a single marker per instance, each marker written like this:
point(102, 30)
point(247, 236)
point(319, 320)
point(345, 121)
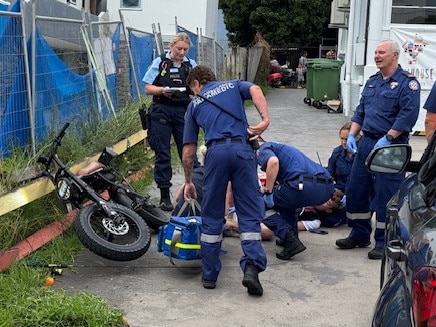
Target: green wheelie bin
point(322, 81)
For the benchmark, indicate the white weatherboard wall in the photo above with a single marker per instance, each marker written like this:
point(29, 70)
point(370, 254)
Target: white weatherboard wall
point(191, 14)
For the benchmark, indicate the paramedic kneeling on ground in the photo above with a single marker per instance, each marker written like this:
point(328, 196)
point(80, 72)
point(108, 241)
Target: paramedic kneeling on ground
point(292, 181)
point(229, 157)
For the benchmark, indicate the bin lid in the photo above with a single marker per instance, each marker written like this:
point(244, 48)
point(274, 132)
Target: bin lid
point(324, 63)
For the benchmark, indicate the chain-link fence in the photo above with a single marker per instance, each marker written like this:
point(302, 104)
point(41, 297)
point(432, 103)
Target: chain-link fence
point(14, 83)
point(58, 69)
point(211, 54)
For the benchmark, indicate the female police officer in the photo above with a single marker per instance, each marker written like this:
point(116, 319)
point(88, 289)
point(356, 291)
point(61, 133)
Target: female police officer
point(168, 109)
point(218, 109)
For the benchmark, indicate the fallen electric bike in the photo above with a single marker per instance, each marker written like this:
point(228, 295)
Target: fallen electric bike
point(108, 228)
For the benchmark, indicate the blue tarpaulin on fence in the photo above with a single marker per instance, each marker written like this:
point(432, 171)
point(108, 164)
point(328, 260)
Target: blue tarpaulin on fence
point(142, 53)
point(60, 93)
point(14, 119)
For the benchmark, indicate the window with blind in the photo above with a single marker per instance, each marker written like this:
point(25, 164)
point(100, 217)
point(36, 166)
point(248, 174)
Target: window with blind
point(413, 12)
point(130, 4)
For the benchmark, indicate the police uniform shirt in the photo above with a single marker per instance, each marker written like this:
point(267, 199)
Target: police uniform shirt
point(153, 70)
point(430, 103)
point(292, 162)
point(216, 123)
point(392, 103)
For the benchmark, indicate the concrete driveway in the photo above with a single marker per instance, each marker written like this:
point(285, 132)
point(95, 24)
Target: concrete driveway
point(323, 286)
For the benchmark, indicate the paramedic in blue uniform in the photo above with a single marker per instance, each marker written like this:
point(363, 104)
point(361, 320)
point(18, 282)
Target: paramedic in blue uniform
point(341, 160)
point(430, 116)
point(386, 114)
point(229, 157)
point(168, 110)
point(292, 181)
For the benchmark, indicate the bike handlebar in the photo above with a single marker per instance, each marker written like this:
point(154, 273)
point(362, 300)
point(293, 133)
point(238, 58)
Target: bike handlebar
point(58, 138)
point(46, 161)
point(61, 134)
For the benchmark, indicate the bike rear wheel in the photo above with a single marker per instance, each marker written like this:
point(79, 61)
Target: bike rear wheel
point(126, 240)
point(152, 215)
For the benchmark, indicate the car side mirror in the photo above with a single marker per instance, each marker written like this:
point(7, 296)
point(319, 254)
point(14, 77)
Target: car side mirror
point(391, 159)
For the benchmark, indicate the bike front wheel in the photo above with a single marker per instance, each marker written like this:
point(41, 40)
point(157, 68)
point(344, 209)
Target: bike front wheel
point(124, 238)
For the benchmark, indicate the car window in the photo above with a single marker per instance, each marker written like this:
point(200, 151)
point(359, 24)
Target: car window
point(422, 215)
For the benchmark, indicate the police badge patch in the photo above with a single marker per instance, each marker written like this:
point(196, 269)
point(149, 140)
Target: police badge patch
point(413, 85)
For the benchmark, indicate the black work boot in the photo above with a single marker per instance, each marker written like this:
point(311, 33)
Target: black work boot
point(165, 201)
point(292, 246)
point(251, 279)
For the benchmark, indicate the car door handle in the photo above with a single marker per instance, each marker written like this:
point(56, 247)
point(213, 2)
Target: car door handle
point(396, 250)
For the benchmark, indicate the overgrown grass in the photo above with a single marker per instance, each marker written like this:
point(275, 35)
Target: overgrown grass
point(25, 300)
point(82, 140)
point(23, 222)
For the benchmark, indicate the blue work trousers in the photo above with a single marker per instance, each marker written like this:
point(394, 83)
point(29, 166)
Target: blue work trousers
point(367, 193)
point(233, 162)
point(166, 120)
point(288, 197)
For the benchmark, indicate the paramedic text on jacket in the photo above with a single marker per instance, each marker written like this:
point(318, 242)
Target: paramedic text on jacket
point(229, 157)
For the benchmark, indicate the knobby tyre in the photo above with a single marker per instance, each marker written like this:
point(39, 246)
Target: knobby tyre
point(153, 216)
point(101, 235)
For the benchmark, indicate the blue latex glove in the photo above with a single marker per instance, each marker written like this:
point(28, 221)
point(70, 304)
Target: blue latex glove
point(382, 142)
point(269, 201)
point(351, 143)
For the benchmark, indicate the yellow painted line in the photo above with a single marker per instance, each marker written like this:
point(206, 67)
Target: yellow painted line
point(41, 187)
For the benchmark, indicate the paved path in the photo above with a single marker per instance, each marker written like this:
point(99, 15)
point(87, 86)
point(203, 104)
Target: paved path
point(322, 287)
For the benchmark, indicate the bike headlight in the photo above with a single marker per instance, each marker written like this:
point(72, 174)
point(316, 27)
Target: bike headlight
point(64, 189)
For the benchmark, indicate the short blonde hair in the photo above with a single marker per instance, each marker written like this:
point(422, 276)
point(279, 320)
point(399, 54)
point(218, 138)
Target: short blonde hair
point(180, 37)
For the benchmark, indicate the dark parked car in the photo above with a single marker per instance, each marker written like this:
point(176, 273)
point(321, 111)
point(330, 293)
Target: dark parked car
point(408, 269)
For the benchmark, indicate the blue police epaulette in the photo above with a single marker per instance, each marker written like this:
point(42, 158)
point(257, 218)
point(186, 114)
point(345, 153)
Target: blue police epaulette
point(378, 73)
